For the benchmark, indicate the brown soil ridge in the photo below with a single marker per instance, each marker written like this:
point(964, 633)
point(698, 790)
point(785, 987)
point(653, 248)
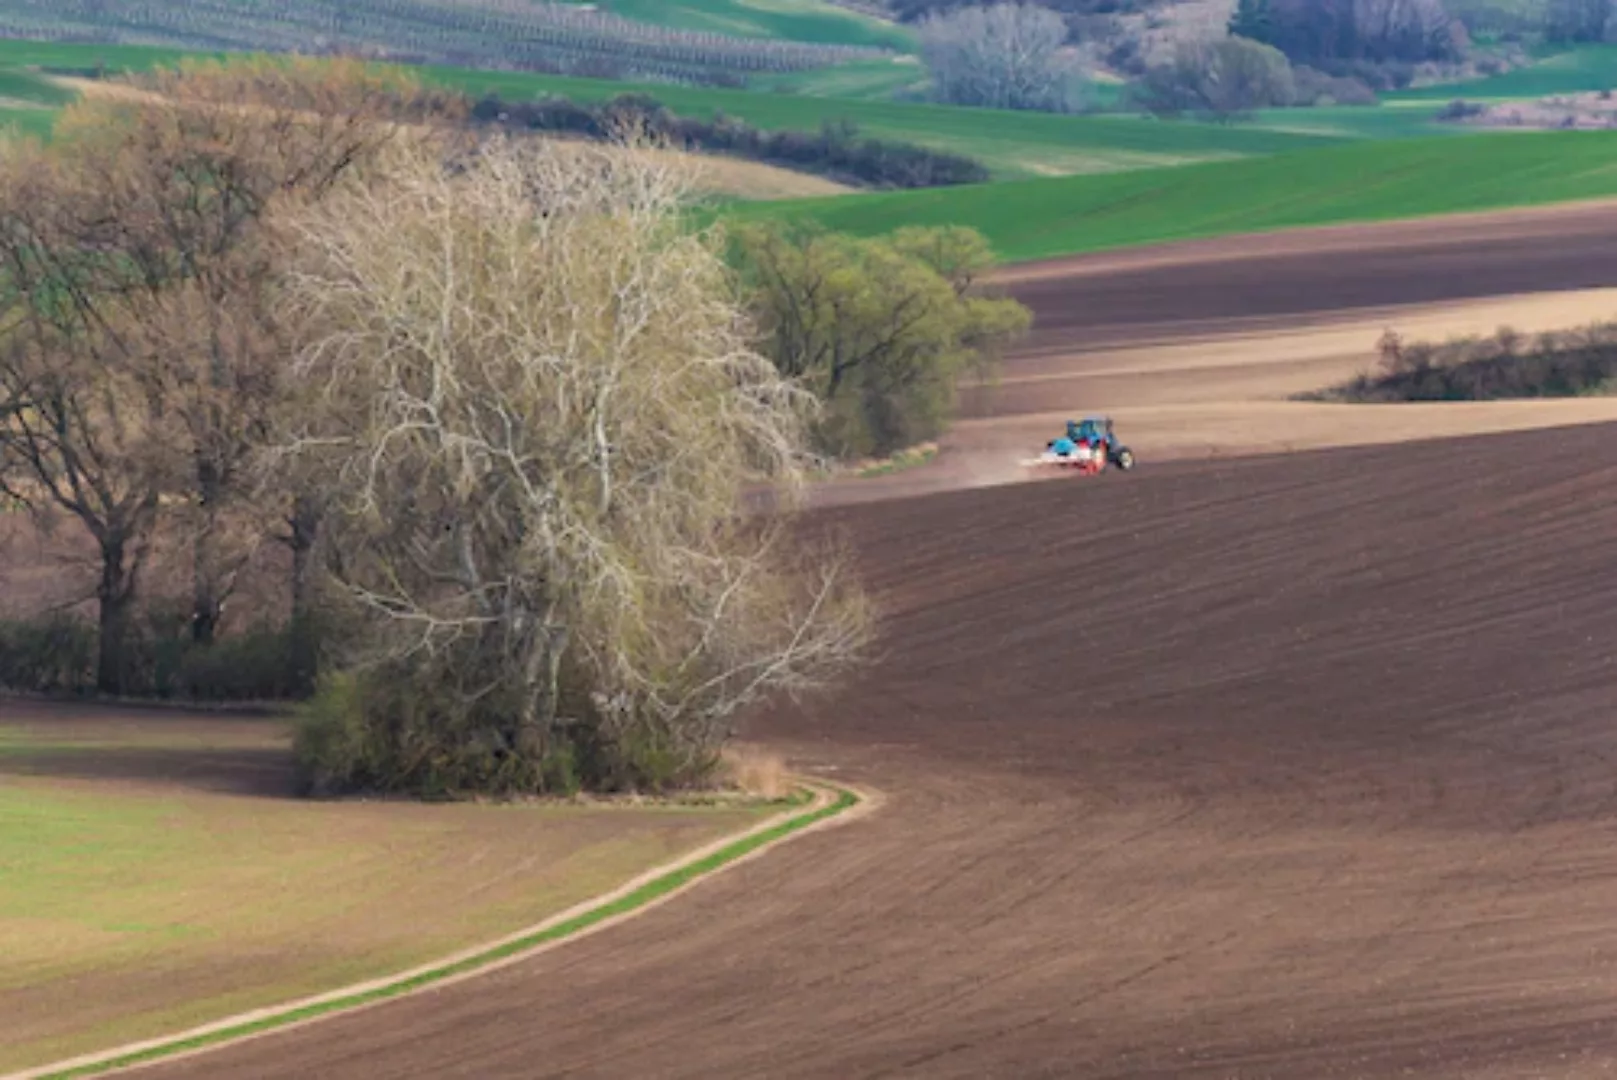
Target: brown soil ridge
point(1297, 766)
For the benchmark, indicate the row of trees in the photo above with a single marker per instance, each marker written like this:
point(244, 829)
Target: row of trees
point(1225, 78)
point(1219, 78)
point(836, 150)
point(500, 406)
point(1331, 33)
point(1579, 20)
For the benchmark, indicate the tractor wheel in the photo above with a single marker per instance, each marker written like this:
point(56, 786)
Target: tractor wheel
point(1125, 458)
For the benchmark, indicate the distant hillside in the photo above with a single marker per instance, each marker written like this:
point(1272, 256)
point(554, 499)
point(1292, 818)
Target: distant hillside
point(694, 40)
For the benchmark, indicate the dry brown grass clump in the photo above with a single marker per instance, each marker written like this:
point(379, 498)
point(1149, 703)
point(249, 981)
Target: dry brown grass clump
point(756, 772)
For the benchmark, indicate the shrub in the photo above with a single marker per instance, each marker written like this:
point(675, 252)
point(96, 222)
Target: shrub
point(1460, 110)
point(1220, 79)
point(416, 730)
point(1314, 87)
point(1505, 365)
point(254, 666)
point(56, 654)
point(52, 654)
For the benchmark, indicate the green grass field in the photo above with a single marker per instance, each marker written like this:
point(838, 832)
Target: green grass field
point(863, 80)
point(788, 20)
point(1358, 182)
point(151, 879)
point(114, 58)
point(27, 88)
point(1077, 183)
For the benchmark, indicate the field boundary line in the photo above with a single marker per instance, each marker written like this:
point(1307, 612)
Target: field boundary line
point(829, 804)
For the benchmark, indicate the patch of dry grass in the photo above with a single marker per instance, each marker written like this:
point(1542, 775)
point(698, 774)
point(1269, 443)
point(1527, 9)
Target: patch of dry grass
point(757, 772)
point(714, 174)
point(153, 876)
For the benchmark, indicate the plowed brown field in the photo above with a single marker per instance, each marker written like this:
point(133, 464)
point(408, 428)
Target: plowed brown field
point(1294, 766)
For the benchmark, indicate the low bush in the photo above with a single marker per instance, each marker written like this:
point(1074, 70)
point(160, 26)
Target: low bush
point(836, 150)
point(1316, 88)
point(56, 654)
point(1460, 110)
point(49, 655)
point(1505, 365)
point(426, 731)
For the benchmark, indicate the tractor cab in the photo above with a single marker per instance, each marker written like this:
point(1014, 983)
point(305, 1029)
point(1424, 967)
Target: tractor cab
point(1094, 430)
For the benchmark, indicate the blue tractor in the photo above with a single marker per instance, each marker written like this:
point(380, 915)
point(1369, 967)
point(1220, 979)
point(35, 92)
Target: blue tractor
point(1090, 444)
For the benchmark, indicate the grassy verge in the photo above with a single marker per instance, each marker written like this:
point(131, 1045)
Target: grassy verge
point(1359, 182)
point(153, 877)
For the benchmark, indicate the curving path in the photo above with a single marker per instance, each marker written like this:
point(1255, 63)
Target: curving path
point(1302, 765)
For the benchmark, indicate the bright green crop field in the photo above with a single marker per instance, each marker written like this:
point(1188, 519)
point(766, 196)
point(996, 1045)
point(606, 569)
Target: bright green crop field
point(787, 20)
point(113, 58)
point(1591, 67)
point(1076, 183)
point(1360, 182)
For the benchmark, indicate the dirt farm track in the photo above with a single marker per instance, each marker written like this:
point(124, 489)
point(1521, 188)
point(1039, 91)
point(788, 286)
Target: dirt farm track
point(1290, 765)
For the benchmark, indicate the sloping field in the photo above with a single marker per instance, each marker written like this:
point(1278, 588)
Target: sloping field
point(1300, 765)
point(1368, 181)
point(790, 20)
point(1590, 67)
point(155, 874)
point(1295, 767)
point(678, 37)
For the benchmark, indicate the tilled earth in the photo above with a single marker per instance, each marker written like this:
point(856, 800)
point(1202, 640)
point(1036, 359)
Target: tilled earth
point(1297, 765)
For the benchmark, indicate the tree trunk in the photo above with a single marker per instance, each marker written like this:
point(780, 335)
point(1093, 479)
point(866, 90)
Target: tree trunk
point(206, 602)
point(305, 641)
point(115, 596)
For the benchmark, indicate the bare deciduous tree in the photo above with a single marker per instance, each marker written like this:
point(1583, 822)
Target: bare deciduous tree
point(536, 410)
point(1008, 56)
point(1323, 31)
point(140, 358)
point(205, 154)
point(1577, 20)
